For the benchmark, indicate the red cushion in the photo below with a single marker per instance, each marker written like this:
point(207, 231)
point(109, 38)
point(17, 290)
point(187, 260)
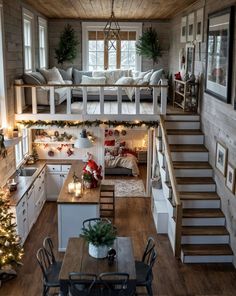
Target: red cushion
point(109, 143)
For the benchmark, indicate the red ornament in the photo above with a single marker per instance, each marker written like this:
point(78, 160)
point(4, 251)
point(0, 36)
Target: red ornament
point(69, 152)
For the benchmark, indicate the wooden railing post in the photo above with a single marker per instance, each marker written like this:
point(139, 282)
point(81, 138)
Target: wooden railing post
point(137, 100)
point(18, 91)
point(34, 100)
point(164, 92)
point(52, 99)
point(68, 101)
point(155, 95)
point(101, 94)
point(119, 99)
point(85, 99)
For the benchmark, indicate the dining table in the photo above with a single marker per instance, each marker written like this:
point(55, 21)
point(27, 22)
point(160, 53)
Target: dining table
point(77, 259)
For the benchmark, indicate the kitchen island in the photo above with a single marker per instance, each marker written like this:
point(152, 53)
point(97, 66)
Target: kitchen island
point(72, 211)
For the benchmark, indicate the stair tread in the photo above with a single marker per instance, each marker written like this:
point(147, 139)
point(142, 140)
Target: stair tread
point(179, 120)
point(188, 148)
point(184, 132)
point(187, 195)
point(204, 230)
point(203, 213)
point(191, 165)
point(209, 249)
point(195, 180)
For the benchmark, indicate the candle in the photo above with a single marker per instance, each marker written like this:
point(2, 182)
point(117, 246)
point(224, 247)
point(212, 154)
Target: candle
point(77, 192)
point(71, 187)
point(9, 133)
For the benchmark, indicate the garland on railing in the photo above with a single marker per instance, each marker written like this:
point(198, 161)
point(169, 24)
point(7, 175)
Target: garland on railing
point(88, 123)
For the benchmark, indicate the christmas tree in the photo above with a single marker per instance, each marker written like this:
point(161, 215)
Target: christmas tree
point(67, 48)
point(11, 251)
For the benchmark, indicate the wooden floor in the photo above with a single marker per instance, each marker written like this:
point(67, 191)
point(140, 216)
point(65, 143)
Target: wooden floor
point(133, 218)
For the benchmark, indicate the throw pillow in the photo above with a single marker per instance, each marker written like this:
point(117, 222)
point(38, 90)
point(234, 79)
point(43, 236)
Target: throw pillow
point(77, 75)
point(148, 76)
point(66, 74)
point(156, 76)
point(93, 80)
point(52, 75)
point(30, 79)
point(125, 80)
point(39, 77)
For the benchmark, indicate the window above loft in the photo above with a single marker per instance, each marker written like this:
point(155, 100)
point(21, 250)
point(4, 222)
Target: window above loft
point(43, 42)
point(28, 21)
point(96, 55)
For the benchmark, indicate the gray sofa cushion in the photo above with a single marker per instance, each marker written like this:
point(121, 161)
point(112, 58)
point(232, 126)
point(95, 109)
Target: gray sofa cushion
point(66, 74)
point(34, 78)
point(156, 76)
point(77, 75)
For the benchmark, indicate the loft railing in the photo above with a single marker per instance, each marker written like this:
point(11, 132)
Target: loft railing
point(175, 197)
point(157, 107)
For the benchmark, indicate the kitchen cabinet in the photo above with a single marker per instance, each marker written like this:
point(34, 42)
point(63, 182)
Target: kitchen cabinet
point(31, 206)
point(56, 175)
point(20, 213)
point(40, 192)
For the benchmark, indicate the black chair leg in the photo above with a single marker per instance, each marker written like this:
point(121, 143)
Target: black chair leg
point(149, 290)
point(45, 290)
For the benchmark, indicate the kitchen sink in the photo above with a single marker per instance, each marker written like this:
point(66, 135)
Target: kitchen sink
point(27, 172)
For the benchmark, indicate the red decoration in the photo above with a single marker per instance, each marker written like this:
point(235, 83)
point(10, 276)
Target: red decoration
point(178, 76)
point(109, 143)
point(69, 152)
point(94, 170)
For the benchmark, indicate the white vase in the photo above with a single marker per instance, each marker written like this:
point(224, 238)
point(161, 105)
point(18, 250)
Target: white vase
point(98, 251)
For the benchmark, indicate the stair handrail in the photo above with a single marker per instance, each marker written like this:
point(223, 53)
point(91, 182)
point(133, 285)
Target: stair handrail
point(175, 192)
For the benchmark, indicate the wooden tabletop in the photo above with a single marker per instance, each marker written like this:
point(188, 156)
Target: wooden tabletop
point(89, 196)
point(77, 259)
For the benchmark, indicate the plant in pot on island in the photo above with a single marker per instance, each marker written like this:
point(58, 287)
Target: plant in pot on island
point(100, 237)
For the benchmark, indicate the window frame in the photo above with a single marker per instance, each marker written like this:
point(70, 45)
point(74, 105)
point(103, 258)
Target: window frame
point(3, 101)
point(19, 148)
point(44, 24)
point(91, 26)
point(28, 16)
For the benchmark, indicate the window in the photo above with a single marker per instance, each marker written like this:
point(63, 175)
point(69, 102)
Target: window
point(96, 55)
point(3, 109)
point(42, 42)
point(22, 148)
point(28, 40)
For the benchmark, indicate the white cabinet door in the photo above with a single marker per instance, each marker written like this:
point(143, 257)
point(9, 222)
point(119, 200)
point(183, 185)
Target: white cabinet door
point(22, 219)
point(53, 186)
point(31, 206)
point(63, 177)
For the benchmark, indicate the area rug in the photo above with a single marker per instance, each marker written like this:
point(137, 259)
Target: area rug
point(127, 188)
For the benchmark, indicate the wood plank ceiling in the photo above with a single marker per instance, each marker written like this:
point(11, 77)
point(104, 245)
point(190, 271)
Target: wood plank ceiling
point(101, 9)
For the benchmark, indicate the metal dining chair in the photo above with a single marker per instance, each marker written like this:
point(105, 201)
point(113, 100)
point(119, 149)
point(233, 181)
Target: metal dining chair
point(48, 247)
point(50, 271)
point(115, 284)
point(82, 284)
point(148, 249)
point(144, 274)
point(93, 221)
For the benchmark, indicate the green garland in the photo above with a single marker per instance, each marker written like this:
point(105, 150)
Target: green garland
point(87, 123)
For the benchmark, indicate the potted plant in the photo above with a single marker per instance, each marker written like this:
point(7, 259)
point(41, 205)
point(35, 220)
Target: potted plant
point(100, 237)
point(87, 179)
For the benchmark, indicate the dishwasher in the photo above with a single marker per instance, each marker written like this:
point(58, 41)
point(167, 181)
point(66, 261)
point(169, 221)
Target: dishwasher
point(31, 207)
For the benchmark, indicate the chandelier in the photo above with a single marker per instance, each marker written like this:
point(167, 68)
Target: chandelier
point(112, 29)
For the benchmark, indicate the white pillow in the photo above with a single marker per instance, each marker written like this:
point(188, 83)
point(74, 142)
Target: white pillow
point(93, 80)
point(147, 76)
point(138, 74)
point(125, 80)
point(52, 75)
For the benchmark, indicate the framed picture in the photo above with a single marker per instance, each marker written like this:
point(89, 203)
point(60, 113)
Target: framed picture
point(221, 158)
point(190, 36)
point(183, 34)
point(230, 178)
point(199, 25)
point(190, 57)
point(219, 54)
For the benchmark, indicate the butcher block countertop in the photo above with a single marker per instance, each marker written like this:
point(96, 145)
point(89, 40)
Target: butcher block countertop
point(24, 183)
point(89, 196)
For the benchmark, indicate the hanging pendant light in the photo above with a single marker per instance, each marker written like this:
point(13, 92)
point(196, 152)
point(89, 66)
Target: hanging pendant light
point(83, 141)
point(112, 29)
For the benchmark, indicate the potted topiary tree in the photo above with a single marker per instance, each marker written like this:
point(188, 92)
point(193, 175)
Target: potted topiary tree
point(100, 236)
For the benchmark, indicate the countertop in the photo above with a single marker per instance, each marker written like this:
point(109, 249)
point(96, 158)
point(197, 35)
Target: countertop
point(89, 196)
point(24, 183)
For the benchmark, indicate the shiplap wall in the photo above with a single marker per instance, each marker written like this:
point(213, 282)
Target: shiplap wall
point(7, 166)
point(56, 27)
point(218, 119)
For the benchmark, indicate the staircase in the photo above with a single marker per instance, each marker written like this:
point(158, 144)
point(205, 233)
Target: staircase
point(204, 237)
